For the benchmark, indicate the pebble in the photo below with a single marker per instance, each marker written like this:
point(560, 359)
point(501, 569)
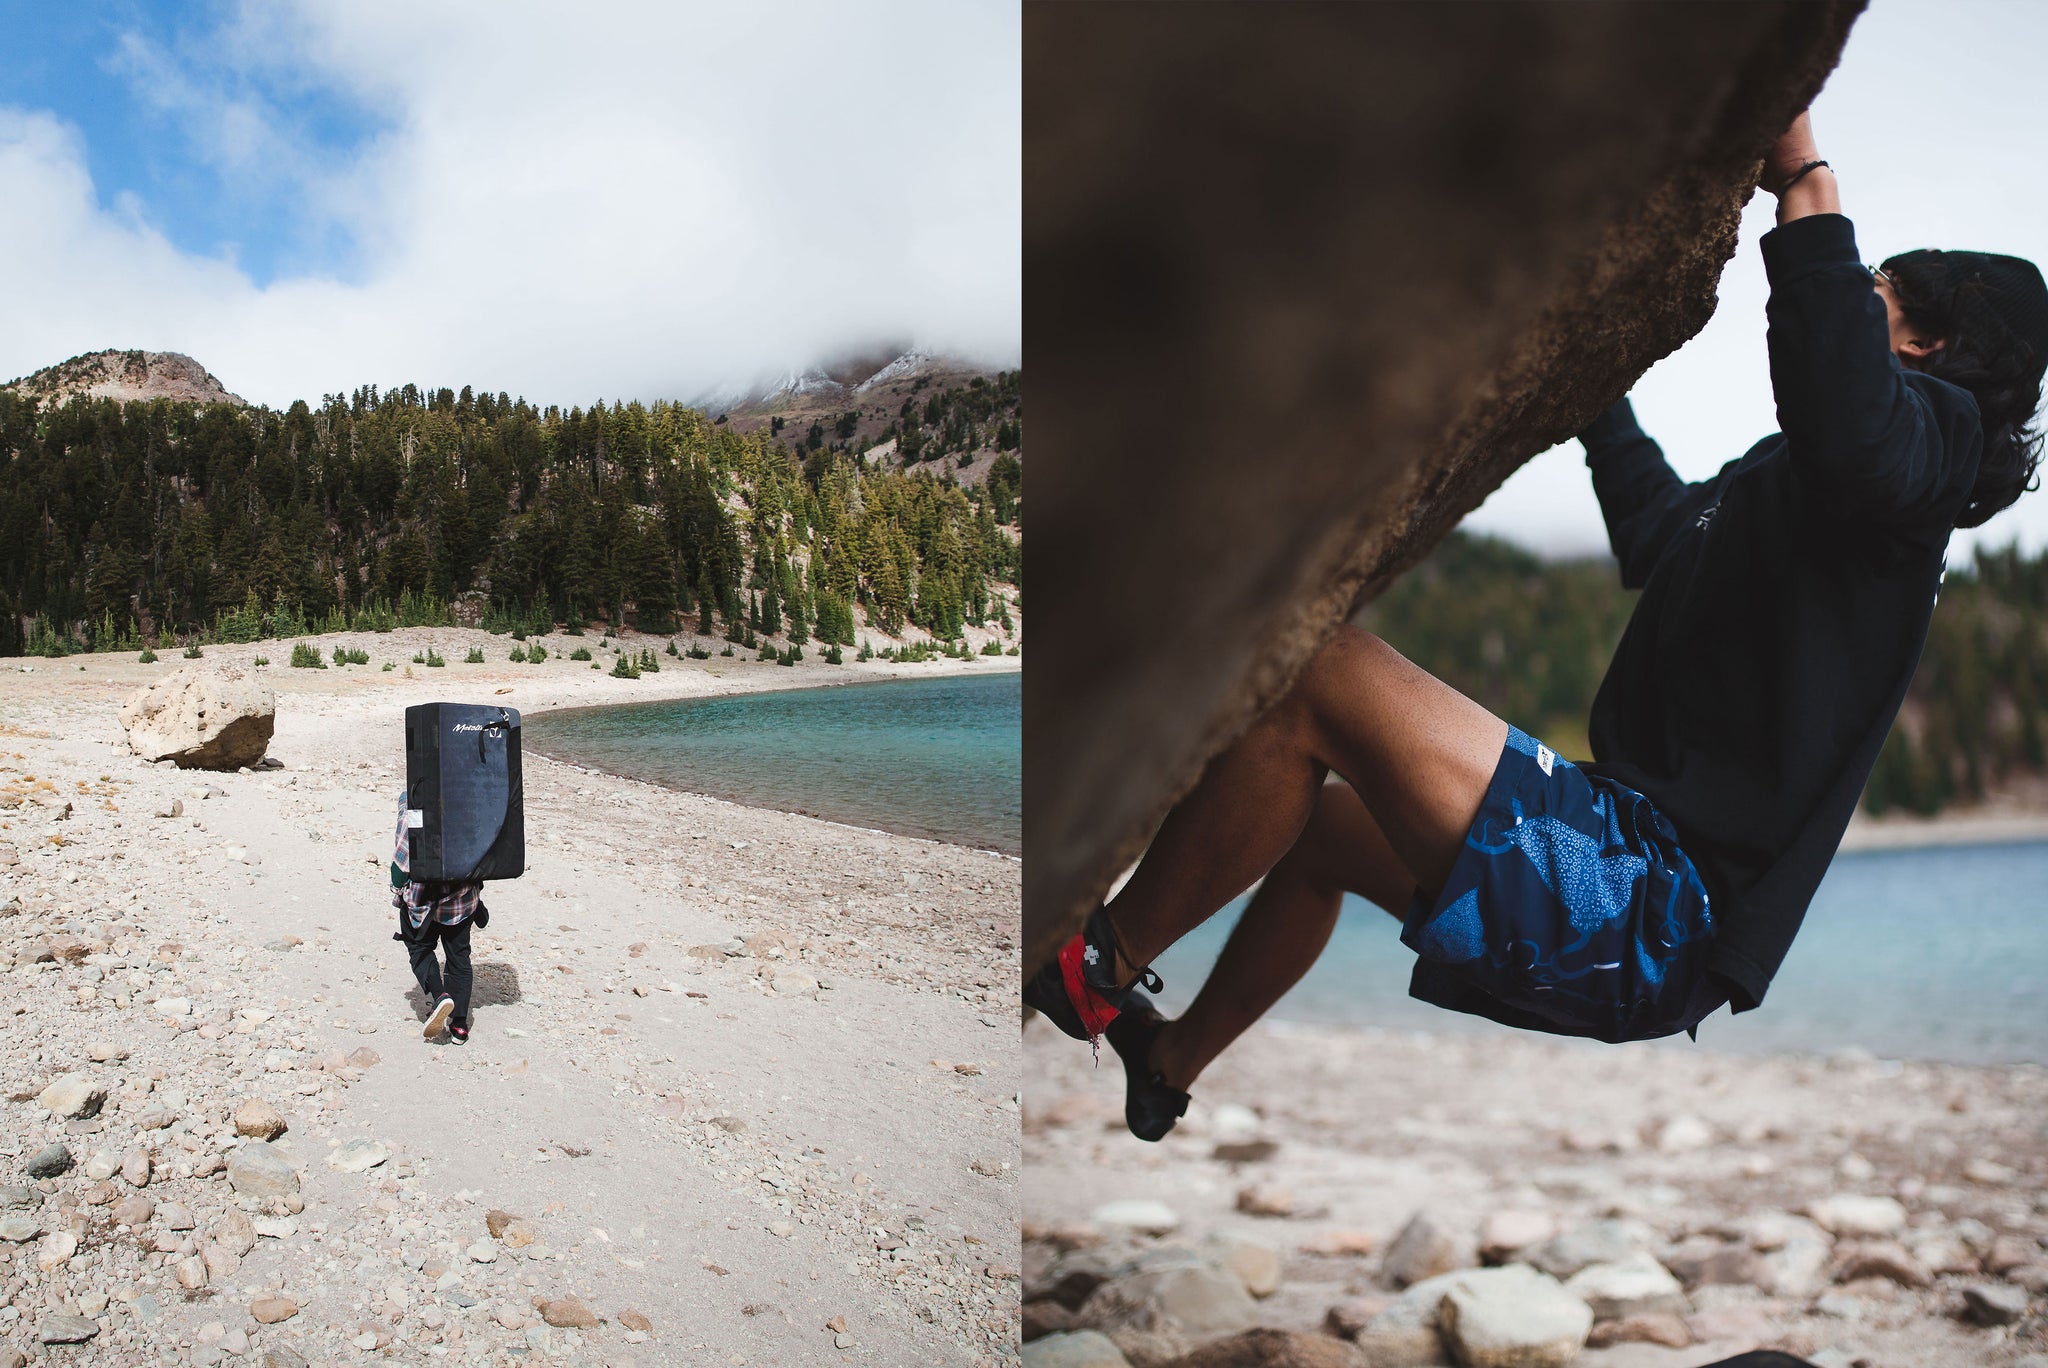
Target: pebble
point(1513, 1317)
point(55, 1249)
point(1882, 1259)
point(1684, 1133)
point(136, 1168)
point(358, 1156)
point(1844, 1213)
point(258, 1169)
point(271, 1310)
point(258, 1118)
point(19, 1229)
point(1508, 1232)
point(1265, 1200)
point(1994, 1303)
point(62, 1329)
point(133, 1210)
point(633, 1320)
point(567, 1313)
point(73, 1095)
point(1636, 1286)
point(1142, 1215)
point(1074, 1349)
point(1424, 1248)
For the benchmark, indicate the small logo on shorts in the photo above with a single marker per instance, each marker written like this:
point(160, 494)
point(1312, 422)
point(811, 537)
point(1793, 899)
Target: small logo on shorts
point(1545, 758)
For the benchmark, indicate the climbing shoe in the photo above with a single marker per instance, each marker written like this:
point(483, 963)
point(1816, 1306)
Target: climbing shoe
point(1151, 1104)
point(1078, 991)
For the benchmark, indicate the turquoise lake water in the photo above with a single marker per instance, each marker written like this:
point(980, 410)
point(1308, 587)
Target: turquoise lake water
point(1910, 954)
point(940, 758)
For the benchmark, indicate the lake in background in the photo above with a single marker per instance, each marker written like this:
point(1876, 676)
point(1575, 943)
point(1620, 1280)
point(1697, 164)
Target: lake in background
point(1938, 953)
point(940, 758)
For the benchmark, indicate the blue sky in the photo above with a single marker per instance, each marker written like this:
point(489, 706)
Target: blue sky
point(157, 115)
point(638, 199)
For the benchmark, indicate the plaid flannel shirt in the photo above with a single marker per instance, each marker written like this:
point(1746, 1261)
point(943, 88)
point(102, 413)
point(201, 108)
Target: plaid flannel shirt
point(447, 903)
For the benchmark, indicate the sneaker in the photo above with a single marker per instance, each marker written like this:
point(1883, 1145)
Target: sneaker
point(458, 1034)
point(1151, 1105)
point(443, 1009)
point(1077, 992)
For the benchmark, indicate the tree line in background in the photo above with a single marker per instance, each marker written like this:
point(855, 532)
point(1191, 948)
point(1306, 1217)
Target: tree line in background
point(125, 521)
point(1531, 639)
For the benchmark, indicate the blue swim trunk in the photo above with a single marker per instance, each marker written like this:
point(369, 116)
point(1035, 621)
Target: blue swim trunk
point(1571, 910)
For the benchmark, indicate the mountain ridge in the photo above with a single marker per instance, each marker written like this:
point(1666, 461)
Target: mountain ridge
point(126, 375)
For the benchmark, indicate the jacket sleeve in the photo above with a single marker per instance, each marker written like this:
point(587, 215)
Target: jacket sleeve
point(1869, 444)
point(1641, 497)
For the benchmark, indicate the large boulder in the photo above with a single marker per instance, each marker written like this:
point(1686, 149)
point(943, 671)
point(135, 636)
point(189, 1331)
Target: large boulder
point(1309, 282)
point(220, 718)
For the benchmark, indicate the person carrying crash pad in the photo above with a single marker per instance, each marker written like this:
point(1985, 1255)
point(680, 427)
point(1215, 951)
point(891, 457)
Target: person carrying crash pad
point(431, 913)
point(1785, 603)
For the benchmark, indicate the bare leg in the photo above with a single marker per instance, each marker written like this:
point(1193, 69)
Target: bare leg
point(1418, 753)
point(1284, 929)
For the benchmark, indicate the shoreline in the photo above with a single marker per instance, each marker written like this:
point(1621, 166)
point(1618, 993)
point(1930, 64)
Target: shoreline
point(1988, 825)
point(705, 1071)
point(742, 801)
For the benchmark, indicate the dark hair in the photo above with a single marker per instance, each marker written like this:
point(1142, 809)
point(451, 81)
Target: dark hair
point(1984, 356)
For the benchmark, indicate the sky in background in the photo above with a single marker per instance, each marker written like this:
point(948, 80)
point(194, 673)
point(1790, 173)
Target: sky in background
point(562, 201)
point(1937, 127)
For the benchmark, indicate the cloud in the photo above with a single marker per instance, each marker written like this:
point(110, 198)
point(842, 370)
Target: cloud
point(563, 202)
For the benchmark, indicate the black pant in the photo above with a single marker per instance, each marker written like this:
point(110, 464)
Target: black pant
point(455, 945)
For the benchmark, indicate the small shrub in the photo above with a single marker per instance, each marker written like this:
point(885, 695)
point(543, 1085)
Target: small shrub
point(672, 649)
point(833, 657)
point(699, 653)
point(519, 634)
point(518, 656)
point(260, 660)
point(148, 657)
point(622, 668)
point(193, 652)
point(475, 656)
point(727, 651)
point(648, 663)
point(389, 666)
point(306, 657)
point(580, 653)
point(434, 660)
point(992, 647)
point(536, 653)
point(867, 650)
point(418, 659)
point(767, 652)
point(1015, 650)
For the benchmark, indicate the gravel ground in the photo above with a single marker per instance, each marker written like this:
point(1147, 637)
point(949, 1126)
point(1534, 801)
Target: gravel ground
point(742, 1086)
point(1322, 1145)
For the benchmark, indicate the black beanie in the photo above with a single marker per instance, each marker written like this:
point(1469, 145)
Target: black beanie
point(1973, 287)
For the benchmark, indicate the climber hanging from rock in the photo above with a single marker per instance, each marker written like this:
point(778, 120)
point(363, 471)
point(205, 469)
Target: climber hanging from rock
point(1785, 603)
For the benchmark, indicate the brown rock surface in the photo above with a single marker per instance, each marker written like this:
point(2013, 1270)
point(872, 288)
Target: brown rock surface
point(1304, 293)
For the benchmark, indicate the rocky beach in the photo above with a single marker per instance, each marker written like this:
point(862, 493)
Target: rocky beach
point(741, 1088)
point(1373, 1199)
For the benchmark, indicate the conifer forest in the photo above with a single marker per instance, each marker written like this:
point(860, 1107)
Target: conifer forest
point(153, 522)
